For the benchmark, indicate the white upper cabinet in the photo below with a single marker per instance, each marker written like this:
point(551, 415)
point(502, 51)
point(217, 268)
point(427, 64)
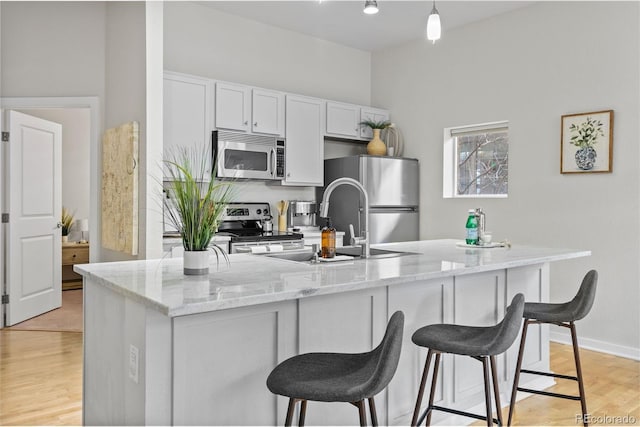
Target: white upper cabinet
point(188, 112)
point(233, 106)
point(304, 141)
point(372, 114)
point(343, 120)
point(268, 112)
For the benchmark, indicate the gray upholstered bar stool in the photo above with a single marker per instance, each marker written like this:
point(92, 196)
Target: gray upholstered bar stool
point(340, 377)
point(565, 315)
point(481, 343)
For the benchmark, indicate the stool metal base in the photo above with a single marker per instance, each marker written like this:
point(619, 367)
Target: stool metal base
point(578, 377)
point(487, 361)
point(362, 411)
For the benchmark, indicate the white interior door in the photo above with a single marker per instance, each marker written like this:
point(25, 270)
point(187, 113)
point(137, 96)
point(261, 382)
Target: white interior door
point(33, 269)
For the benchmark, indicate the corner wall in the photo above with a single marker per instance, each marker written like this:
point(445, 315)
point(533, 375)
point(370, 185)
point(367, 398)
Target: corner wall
point(529, 67)
point(126, 85)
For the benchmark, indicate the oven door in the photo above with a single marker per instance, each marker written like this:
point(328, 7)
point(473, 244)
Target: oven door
point(246, 160)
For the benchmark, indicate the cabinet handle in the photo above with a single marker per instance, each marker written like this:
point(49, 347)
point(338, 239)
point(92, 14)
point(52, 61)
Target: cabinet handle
point(246, 122)
point(256, 124)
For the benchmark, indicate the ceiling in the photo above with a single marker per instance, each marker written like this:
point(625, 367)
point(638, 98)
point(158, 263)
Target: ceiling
point(343, 22)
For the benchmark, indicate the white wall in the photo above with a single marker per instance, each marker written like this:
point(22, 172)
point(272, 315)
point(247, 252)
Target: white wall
point(202, 41)
point(154, 28)
point(529, 67)
point(65, 49)
point(126, 85)
point(56, 50)
point(52, 48)
point(76, 134)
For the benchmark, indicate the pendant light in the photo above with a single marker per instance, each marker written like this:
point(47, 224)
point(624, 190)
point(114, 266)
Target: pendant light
point(370, 7)
point(433, 24)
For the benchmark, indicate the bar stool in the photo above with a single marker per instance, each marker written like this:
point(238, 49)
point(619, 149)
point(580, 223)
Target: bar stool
point(480, 343)
point(564, 315)
point(340, 377)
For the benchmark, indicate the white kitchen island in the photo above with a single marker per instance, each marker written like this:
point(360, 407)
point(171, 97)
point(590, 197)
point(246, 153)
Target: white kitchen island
point(162, 348)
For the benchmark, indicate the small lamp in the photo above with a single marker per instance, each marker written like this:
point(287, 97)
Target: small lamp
point(83, 226)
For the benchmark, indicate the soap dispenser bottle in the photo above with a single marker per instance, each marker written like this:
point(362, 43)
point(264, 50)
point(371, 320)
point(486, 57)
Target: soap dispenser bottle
point(328, 240)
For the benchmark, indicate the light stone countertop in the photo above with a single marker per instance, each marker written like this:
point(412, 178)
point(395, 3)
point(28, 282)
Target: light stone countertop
point(254, 279)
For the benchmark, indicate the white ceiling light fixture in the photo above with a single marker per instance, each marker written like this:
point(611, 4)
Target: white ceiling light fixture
point(434, 29)
point(370, 7)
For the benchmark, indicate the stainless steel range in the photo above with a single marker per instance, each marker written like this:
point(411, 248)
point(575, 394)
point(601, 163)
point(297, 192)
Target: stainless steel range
point(251, 230)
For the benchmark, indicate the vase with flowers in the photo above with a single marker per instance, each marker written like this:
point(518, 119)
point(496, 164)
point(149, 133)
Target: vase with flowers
point(195, 206)
point(584, 136)
point(66, 222)
point(376, 147)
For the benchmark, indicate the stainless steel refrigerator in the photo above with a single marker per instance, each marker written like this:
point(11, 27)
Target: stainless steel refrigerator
point(392, 184)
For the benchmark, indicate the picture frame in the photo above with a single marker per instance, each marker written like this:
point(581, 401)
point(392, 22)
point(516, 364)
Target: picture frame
point(586, 142)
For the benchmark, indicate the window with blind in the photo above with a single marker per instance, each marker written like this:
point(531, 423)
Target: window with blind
point(477, 160)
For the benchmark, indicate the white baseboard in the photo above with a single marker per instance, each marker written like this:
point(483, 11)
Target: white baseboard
point(563, 337)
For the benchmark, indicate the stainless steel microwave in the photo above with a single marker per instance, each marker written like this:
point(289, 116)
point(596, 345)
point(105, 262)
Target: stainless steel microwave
point(247, 156)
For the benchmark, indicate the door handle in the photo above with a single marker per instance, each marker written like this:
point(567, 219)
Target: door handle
point(59, 225)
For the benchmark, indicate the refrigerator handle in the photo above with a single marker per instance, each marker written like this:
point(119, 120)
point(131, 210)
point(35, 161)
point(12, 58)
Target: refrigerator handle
point(393, 209)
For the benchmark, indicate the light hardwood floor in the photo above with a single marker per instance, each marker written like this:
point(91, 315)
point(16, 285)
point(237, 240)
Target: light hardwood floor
point(40, 378)
point(41, 383)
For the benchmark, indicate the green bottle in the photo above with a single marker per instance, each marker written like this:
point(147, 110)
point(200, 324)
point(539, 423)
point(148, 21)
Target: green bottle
point(472, 228)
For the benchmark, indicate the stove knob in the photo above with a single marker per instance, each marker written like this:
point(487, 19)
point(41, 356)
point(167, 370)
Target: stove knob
point(259, 211)
point(266, 211)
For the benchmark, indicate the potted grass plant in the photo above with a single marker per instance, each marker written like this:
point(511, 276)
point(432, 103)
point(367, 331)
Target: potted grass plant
point(376, 146)
point(66, 219)
point(195, 206)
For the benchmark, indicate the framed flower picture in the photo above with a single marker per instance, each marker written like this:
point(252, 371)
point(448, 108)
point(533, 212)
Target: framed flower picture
point(586, 142)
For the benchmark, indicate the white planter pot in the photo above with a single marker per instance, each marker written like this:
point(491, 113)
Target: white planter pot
point(196, 263)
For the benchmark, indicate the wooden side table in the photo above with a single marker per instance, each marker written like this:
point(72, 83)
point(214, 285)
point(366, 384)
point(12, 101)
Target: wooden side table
point(73, 253)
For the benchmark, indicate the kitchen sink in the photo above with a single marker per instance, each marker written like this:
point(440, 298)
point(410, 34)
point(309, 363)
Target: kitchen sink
point(354, 251)
point(299, 256)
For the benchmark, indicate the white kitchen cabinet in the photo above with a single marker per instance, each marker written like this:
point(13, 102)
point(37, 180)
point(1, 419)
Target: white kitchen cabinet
point(372, 114)
point(304, 163)
point(267, 112)
point(233, 106)
point(188, 113)
point(343, 120)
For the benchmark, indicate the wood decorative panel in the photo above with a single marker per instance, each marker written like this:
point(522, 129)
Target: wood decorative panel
point(120, 188)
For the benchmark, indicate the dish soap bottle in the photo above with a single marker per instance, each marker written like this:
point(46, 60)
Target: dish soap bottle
point(328, 240)
point(472, 228)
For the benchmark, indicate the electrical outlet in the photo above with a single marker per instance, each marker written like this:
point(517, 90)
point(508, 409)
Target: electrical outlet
point(133, 363)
